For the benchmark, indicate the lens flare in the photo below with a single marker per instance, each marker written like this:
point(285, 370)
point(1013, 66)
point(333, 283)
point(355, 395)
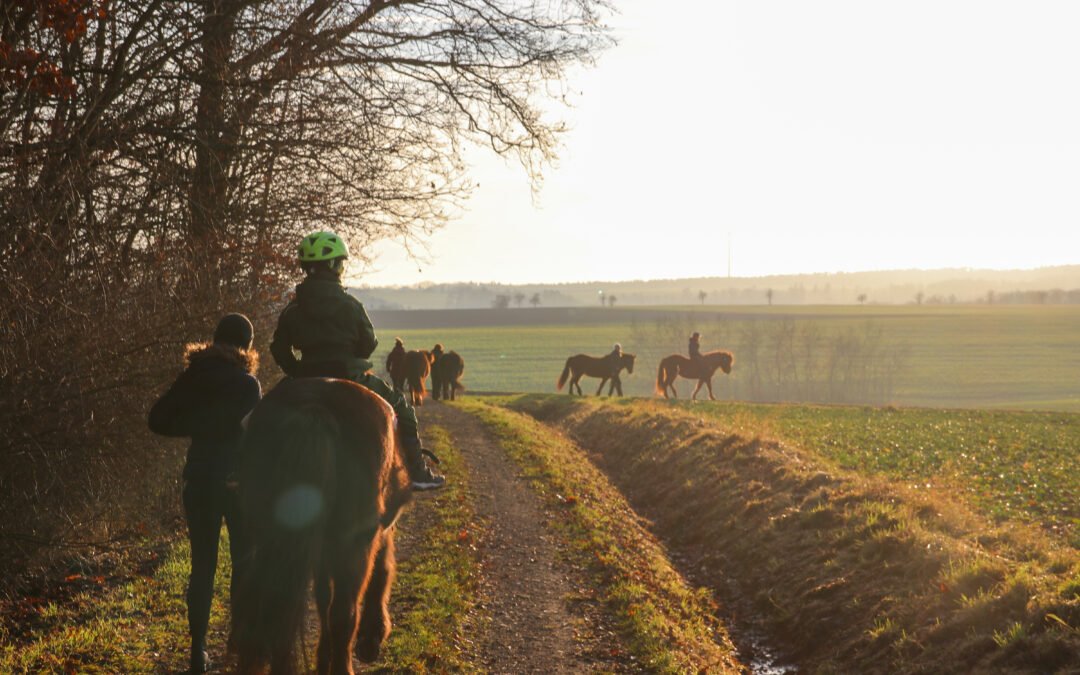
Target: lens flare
point(298, 506)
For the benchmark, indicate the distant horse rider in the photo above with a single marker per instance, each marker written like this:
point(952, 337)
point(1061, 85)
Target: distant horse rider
point(695, 349)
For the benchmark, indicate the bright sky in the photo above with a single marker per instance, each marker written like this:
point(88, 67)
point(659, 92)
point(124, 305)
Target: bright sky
point(821, 136)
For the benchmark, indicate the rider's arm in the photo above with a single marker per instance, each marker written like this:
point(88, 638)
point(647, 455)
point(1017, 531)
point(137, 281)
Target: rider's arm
point(281, 347)
point(365, 333)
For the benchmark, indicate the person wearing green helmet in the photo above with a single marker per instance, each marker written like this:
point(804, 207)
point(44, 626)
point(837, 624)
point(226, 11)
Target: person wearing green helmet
point(331, 330)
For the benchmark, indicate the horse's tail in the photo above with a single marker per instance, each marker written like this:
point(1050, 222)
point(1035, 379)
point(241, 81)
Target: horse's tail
point(287, 480)
point(661, 376)
point(565, 376)
point(419, 367)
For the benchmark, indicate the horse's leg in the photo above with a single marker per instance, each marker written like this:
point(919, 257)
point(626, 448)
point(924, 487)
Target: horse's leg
point(350, 576)
point(601, 387)
point(375, 617)
point(575, 381)
point(708, 383)
point(323, 596)
point(697, 389)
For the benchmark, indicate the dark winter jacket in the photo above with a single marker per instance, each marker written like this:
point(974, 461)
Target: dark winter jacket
point(207, 403)
point(695, 349)
point(328, 326)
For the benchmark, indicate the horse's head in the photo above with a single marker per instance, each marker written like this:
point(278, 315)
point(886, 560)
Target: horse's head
point(725, 359)
point(628, 362)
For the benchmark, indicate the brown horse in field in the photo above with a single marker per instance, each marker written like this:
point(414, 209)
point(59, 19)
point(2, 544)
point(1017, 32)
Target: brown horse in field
point(322, 483)
point(579, 365)
point(395, 365)
point(417, 368)
point(446, 372)
point(674, 365)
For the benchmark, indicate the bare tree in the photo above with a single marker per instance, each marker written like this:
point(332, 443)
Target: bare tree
point(701, 296)
point(159, 160)
point(768, 295)
point(611, 299)
point(519, 298)
point(535, 299)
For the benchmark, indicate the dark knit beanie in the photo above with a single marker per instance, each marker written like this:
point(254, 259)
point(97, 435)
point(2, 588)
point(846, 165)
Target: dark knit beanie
point(235, 330)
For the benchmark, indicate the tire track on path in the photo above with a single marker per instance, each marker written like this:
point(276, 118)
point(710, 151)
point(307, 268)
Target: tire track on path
point(527, 624)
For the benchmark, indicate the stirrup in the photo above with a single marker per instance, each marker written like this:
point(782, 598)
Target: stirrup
point(434, 459)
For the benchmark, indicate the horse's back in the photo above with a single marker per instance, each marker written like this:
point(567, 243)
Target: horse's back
point(350, 428)
point(418, 363)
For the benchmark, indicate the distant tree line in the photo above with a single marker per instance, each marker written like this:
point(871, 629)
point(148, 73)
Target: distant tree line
point(1055, 296)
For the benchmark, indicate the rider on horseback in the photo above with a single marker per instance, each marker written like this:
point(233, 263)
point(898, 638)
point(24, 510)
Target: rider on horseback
point(334, 335)
point(695, 349)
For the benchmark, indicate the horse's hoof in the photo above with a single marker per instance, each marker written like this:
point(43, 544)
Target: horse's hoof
point(367, 650)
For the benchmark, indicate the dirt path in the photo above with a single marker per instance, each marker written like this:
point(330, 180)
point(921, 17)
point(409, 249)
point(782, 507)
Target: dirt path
point(527, 623)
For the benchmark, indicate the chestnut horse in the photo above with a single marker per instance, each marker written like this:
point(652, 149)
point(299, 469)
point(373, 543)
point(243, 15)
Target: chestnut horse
point(594, 366)
point(674, 365)
point(446, 372)
point(322, 483)
point(417, 368)
point(395, 365)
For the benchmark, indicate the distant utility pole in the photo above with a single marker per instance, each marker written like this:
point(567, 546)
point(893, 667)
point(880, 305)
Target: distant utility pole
point(728, 255)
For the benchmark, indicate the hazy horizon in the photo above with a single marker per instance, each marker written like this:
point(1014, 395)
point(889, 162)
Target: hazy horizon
point(836, 135)
point(359, 283)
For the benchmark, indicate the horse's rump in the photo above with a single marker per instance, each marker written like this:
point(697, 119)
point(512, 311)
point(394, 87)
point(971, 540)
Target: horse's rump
point(446, 372)
point(418, 367)
point(321, 479)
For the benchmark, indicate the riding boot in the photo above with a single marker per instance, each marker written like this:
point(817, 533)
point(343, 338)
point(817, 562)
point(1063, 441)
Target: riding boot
point(421, 475)
point(200, 659)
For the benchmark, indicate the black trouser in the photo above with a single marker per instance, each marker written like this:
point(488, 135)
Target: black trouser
point(208, 501)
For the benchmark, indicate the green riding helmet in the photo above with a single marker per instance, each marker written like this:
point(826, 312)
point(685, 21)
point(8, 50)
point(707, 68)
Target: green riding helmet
point(322, 246)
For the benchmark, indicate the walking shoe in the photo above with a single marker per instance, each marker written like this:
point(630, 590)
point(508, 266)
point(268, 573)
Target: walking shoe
point(200, 660)
point(423, 478)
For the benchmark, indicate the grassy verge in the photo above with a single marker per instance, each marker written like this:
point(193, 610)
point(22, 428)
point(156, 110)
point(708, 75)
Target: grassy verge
point(435, 585)
point(852, 573)
point(1020, 466)
point(136, 626)
point(667, 625)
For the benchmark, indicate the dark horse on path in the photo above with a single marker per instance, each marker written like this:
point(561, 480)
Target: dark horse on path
point(322, 483)
point(446, 372)
point(594, 366)
point(674, 365)
point(417, 368)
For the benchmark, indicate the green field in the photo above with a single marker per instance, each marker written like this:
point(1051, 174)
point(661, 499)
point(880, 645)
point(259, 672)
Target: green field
point(998, 357)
